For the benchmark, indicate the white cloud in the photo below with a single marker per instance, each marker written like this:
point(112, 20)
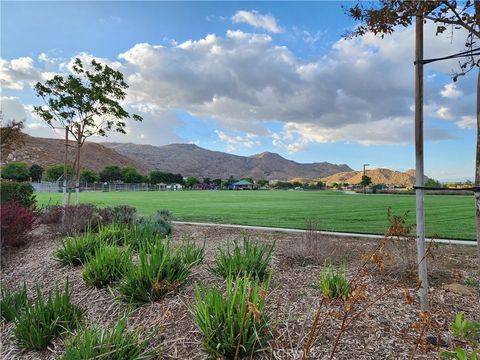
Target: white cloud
point(450, 91)
point(235, 141)
point(257, 20)
point(467, 122)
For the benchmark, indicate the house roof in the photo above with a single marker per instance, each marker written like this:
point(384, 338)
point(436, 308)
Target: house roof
point(242, 182)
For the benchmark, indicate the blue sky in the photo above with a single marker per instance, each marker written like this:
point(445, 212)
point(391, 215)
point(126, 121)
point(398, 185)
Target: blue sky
point(248, 77)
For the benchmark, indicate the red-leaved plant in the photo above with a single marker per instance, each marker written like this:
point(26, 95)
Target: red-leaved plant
point(16, 223)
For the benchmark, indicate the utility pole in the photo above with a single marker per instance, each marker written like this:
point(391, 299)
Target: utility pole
point(364, 177)
point(419, 168)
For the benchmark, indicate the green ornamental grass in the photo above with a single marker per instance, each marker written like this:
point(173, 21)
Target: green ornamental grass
point(253, 258)
point(76, 250)
point(333, 282)
point(117, 343)
point(43, 320)
point(160, 270)
point(109, 264)
point(236, 318)
point(13, 303)
point(114, 234)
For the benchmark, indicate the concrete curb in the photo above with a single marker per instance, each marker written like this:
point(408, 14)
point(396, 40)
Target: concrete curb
point(333, 233)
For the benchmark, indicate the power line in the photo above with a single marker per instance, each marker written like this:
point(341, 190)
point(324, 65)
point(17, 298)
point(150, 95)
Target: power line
point(468, 53)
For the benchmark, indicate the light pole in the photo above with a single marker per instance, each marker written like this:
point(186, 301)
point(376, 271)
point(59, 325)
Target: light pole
point(363, 179)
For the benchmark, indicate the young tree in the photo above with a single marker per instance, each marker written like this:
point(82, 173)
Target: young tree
point(17, 171)
point(366, 180)
point(132, 176)
point(190, 181)
point(36, 172)
point(385, 16)
point(86, 103)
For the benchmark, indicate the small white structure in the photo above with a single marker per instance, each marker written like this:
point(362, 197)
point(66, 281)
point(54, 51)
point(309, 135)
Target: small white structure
point(174, 187)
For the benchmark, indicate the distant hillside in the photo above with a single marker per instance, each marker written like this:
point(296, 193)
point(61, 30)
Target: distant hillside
point(95, 156)
point(379, 176)
point(191, 160)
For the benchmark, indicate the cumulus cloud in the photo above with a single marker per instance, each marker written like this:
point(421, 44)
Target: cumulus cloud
point(235, 141)
point(257, 20)
point(360, 90)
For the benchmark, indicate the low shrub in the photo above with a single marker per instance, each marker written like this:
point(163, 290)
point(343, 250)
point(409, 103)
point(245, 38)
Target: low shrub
point(76, 250)
point(465, 332)
point(16, 223)
point(333, 282)
point(160, 270)
point(234, 322)
point(20, 192)
point(107, 265)
point(117, 343)
point(78, 219)
point(13, 303)
point(43, 320)
point(142, 236)
point(471, 281)
point(160, 223)
point(120, 214)
point(253, 258)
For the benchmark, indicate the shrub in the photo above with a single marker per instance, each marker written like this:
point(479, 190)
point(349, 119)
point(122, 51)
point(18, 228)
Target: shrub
point(161, 222)
point(160, 271)
point(141, 236)
point(471, 281)
point(12, 304)
point(43, 320)
point(36, 172)
point(333, 283)
point(466, 332)
point(253, 259)
point(78, 218)
point(120, 214)
point(117, 343)
point(17, 171)
point(20, 192)
point(107, 265)
point(237, 318)
point(75, 251)
point(16, 224)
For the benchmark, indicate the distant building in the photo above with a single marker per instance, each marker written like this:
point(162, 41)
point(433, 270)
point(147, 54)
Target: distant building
point(242, 185)
point(174, 187)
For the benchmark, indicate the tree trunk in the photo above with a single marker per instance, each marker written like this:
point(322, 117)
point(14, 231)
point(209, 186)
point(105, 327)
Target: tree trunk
point(65, 177)
point(77, 177)
point(477, 182)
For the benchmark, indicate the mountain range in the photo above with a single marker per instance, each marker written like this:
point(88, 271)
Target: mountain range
point(192, 160)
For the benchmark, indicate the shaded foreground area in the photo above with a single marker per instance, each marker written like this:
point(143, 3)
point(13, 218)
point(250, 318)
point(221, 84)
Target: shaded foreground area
point(384, 330)
point(449, 217)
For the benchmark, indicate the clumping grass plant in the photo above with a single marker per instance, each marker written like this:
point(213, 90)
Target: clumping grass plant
point(333, 282)
point(114, 234)
point(76, 250)
point(191, 253)
point(253, 258)
point(12, 303)
point(116, 343)
point(107, 265)
point(235, 324)
point(160, 270)
point(43, 320)
point(141, 237)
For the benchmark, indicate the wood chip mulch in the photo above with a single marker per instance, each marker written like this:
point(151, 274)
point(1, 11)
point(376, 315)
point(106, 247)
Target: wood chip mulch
point(384, 331)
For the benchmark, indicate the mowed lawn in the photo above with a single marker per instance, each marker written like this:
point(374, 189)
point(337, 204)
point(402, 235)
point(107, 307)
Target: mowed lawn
point(446, 216)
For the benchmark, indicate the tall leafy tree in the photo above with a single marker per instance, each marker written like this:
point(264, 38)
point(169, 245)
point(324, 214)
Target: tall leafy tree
point(86, 103)
point(36, 172)
point(15, 171)
point(11, 136)
point(111, 173)
point(385, 16)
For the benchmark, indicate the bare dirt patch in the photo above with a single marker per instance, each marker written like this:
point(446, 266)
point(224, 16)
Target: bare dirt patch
point(383, 332)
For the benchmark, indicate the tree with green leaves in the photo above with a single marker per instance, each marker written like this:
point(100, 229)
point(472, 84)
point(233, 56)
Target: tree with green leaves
point(132, 176)
point(85, 103)
point(36, 172)
point(190, 181)
point(17, 171)
point(55, 172)
point(366, 180)
point(385, 16)
point(111, 174)
point(89, 176)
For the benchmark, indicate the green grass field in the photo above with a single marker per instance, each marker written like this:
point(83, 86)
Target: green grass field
point(446, 216)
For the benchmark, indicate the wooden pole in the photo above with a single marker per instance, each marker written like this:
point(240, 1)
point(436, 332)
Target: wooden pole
point(419, 177)
point(77, 179)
